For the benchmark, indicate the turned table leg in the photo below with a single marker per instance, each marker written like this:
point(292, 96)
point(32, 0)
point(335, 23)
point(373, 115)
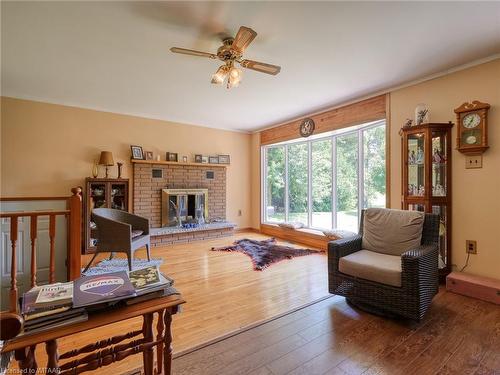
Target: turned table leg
point(52, 356)
point(26, 359)
point(159, 349)
point(148, 353)
point(167, 349)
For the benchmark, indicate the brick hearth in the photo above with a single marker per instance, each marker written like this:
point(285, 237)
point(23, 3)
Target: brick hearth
point(147, 194)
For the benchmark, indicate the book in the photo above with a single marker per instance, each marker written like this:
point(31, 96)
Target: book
point(42, 313)
point(76, 319)
point(144, 277)
point(164, 292)
point(96, 289)
point(54, 295)
point(48, 318)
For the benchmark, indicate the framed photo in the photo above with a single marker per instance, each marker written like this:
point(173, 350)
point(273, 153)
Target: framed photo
point(137, 153)
point(224, 159)
point(172, 156)
point(149, 155)
point(198, 158)
point(213, 160)
point(184, 159)
point(204, 159)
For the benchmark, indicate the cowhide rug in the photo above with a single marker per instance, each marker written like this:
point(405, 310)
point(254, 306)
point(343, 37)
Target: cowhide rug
point(266, 252)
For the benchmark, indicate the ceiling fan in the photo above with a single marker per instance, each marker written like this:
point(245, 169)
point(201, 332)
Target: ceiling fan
point(231, 52)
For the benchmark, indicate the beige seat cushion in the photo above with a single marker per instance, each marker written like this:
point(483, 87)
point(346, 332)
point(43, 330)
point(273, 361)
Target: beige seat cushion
point(392, 231)
point(369, 265)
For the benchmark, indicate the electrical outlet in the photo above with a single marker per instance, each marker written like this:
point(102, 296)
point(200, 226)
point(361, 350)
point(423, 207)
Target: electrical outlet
point(471, 247)
point(473, 161)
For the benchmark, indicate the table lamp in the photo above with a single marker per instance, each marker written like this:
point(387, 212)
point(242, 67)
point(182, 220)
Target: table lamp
point(106, 159)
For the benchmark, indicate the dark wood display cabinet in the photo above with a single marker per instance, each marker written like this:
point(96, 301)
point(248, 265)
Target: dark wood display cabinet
point(102, 193)
point(426, 155)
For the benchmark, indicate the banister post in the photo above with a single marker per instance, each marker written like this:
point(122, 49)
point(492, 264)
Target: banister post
point(75, 234)
point(13, 265)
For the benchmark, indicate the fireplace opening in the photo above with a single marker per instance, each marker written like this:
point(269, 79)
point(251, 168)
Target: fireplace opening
point(183, 206)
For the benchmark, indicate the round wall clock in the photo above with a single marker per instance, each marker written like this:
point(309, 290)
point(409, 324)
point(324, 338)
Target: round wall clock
point(306, 127)
point(471, 120)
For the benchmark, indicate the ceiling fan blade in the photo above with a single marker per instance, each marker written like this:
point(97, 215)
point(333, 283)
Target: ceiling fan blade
point(243, 38)
point(261, 67)
point(192, 52)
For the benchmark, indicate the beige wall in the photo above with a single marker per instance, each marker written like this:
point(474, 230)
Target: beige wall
point(475, 196)
point(47, 149)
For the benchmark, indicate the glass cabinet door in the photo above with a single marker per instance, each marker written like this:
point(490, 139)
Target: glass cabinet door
point(443, 240)
point(439, 164)
point(118, 197)
point(97, 200)
point(416, 170)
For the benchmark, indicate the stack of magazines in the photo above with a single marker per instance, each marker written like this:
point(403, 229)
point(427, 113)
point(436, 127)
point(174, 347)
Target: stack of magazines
point(49, 306)
point(56, 305)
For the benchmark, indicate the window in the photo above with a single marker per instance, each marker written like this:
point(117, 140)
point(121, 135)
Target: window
point(321, 176)
point(297, 182)
point(275, 184)
point(325, 182)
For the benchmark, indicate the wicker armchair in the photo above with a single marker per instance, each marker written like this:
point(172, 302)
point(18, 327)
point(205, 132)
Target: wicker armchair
point(121, 232)
point(418, 275)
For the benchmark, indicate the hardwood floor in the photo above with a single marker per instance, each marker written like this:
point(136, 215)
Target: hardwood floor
point(223, 294)
point(459, 336)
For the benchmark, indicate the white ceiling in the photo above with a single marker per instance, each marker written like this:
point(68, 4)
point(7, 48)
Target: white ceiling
point(114, 56)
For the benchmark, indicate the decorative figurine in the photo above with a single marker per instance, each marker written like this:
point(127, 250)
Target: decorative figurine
point(120, 165)
point(420, 156)
point(421, 114)
point(95, 169)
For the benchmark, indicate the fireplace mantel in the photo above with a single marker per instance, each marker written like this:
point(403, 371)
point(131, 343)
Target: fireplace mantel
point(179, 163)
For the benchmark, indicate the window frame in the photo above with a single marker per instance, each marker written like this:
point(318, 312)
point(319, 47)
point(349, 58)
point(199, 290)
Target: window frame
point(332, 136)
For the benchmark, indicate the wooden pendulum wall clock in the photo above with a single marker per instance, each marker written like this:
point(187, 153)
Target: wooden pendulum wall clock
point(472, 132)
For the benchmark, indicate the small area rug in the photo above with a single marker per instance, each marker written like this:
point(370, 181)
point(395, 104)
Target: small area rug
point(266, 252)
point(121, 264)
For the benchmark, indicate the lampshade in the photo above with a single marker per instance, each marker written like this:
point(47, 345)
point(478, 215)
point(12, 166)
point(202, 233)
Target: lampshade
point(106, 158)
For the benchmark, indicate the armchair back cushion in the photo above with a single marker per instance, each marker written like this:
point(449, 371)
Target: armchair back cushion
point(391, 232)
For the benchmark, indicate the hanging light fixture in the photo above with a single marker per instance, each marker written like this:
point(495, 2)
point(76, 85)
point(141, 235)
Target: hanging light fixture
point(234, 77)
point(220, 75)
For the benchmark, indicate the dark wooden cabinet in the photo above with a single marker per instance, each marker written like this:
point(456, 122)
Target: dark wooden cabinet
point(426, 179)
point(102, 193)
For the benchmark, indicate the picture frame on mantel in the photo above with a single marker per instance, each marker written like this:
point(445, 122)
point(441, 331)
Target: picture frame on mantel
point(213, 160)
point(172, 156)
point(198, 158)
point(224, 159)
point(137, 153)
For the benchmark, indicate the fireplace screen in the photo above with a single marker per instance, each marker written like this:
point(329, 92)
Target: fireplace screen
point(180, 206)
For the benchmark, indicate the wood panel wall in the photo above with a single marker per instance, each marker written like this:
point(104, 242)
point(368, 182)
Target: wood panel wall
point(353, 114)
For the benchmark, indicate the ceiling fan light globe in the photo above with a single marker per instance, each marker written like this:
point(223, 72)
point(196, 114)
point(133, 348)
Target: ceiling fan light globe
point(217, 79)
point(235, 73)
point(220, 75)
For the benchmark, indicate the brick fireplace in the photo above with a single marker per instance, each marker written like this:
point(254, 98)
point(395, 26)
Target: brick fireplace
point(149, 178)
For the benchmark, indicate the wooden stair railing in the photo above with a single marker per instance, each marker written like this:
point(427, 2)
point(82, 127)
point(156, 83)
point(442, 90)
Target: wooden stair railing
point(74, 215)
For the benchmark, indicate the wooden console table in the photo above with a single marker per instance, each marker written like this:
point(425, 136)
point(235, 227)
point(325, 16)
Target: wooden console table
point(105, 352)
